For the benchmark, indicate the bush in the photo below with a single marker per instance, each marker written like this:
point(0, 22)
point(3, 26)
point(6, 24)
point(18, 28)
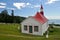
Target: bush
point(51, 28)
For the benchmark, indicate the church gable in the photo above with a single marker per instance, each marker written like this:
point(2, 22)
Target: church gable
point(31, 21)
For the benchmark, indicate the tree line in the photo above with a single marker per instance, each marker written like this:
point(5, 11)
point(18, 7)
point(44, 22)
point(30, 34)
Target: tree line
point(6, 18)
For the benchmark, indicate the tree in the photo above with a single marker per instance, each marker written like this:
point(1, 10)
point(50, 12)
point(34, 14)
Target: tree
point(4, 15)
point(6, 18)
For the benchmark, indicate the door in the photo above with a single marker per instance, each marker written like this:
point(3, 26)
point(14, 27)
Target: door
point(30, 29)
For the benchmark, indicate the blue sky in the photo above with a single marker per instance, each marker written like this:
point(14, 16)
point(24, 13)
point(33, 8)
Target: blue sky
point(30, 7)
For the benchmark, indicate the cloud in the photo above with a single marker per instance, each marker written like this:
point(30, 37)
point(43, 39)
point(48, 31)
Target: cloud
point(2, 6)
point(21, 5)
point(51, 1)
point(11, 8)
point(28, 4)
point(36, 6)
point(2, 3)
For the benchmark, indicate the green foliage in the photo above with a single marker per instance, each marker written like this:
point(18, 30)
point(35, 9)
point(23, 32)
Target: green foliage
point(6, 18)
point(51, 28)
point(57, 24)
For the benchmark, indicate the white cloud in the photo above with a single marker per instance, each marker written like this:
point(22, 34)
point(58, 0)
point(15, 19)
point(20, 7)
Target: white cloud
point(2, 6)
point(51, 1)
point(36, 6)
point(11, 8)
point(28, 4)
point(53, 17)
point(21, 5)
point(2, 3)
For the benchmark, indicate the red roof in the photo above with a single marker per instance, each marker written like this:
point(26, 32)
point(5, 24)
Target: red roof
point(40, 18)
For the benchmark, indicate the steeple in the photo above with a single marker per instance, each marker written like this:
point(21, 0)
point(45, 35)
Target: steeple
point(41, 6)
point(41, 10)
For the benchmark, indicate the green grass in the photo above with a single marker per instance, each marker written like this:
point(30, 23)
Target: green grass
point(12, 29)
point(9, 29)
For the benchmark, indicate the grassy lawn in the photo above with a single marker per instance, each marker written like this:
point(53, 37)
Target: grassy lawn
point(12, 29)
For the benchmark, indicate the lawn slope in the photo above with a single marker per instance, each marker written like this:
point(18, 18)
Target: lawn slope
point(11, 32)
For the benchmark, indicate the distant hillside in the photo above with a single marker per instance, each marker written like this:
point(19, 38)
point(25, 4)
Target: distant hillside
point(55, 21)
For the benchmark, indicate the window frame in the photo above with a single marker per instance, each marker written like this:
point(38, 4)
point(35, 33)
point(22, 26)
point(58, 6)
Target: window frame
point(36, 29)
point(25, 27)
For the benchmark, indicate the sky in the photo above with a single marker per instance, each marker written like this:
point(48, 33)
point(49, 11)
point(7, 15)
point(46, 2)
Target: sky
point(27, 8)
